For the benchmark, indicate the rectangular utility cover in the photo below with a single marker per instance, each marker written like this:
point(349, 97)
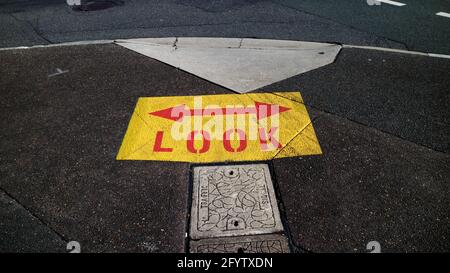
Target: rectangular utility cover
point(233, 200)
point(272, 243)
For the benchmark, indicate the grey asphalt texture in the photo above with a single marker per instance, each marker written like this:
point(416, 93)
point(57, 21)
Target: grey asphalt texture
point(60, 137)
point(413, 27)
point(21, 232)
point(32, 22)
point(401, 94)
point(367, 186)
point(378, 178)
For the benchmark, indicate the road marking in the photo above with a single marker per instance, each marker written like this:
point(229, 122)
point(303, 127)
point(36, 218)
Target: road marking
point(58, 72)
point(100, 42)
point(439, 55)
point(78, 43)
point(217, 128)
point(394, 3)
point(186, 112)
point(386, 49)
point(433, 55)
point(443, 14)
point(241, 65)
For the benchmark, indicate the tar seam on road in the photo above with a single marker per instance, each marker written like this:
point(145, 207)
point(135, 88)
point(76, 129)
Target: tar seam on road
point(374, 128)
point(341, 24)
point(38, 33)
point(295, 248)
point(62, 237)
point(362, 124)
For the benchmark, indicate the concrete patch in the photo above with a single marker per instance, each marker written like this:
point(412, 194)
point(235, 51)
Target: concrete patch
point(273, 243)
point(233, 200)
point(241, 65)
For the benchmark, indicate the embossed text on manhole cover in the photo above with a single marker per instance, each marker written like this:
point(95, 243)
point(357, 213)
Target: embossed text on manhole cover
point(242, 244)
point(233, 200)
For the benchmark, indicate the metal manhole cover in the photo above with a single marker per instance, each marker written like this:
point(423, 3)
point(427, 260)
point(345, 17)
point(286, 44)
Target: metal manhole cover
point(233, 200)
point(242, 244)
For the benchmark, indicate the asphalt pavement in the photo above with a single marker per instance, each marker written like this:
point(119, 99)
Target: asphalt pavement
point(377, 179)
point(381, 119)
point(414, 26)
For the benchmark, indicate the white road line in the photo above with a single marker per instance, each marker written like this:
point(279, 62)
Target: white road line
point(435, 55)
point(398, 4)
point(387, 49)
point(58, 72)
point(92, 42)
point(443, 14)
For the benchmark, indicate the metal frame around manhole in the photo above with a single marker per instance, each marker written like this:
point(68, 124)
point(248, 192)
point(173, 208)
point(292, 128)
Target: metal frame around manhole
point(193, 240)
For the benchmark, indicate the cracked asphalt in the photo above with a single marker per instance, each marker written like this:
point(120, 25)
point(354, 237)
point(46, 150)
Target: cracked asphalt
point(376, 180)
point(381, 119)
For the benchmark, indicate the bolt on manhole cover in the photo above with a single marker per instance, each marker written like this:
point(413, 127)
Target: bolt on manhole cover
point(242, 244)
point(233, 200)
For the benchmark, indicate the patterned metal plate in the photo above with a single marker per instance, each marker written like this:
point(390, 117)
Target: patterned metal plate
point(233, 200)
point(242, 244)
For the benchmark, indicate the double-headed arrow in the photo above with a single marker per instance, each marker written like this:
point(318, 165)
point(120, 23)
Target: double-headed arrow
point(261, 109)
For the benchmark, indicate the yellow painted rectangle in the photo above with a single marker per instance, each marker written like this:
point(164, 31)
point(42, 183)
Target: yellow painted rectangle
point(154, 133)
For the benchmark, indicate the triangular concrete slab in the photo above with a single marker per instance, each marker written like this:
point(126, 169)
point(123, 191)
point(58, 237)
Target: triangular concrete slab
point(241, 65)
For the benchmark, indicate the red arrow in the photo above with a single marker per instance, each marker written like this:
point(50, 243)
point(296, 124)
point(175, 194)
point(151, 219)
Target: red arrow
point(261, 109)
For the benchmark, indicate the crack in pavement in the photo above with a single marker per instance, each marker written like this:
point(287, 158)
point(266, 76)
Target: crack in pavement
point(362, 124)
point(377, 129)
point(174, 45)
point(33, 215)
point(33, 28)
point(292, 139)
point(341, 24)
